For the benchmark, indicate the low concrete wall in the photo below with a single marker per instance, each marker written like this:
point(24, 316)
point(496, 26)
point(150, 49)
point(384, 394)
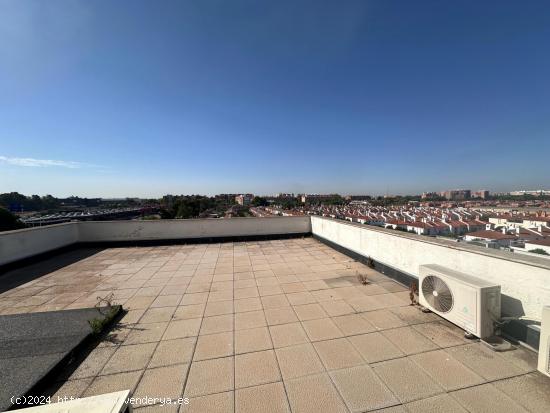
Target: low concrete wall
point(101, 231)
point(525, 280)
point(24, 243)
point(20, 244)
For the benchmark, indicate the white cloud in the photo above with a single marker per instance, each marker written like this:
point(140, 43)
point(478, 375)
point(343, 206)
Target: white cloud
point(41, 163)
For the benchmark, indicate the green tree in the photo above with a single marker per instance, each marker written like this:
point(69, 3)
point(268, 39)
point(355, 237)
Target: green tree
point(539, 251)
point(259, 201)
point(8, 221)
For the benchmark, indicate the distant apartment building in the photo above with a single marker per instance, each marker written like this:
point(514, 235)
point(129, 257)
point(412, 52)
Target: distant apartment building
point(244, 199)
point(457, 194)
point(430, 195)
point(482, 193)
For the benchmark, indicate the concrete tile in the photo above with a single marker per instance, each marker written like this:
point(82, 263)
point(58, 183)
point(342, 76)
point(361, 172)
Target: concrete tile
point(523, 358)
point(309, 312)
point(394, 409)
point(486, 398)
point(275, 301)
point(294, 287)
point(162, 382)
point(245, 283)
point(248, 304)
point(436, 404)
point(196, 298)
point(216, 324)
point(214, 346)
point(338, 354)
point(364, 303)
point(220, 296)
point(532, 391)
point(138, 302)
point(268, 398)
point(330, 294)
point(353, 324)
point(267, 290)
point(146, 333)
point(210, 376)
point(70, 389)
point(297, 361)
point(484, 361)
point(182, 329)
point(254, 339)
point(374, 347)
point(301, 298)
point(252, 369)
point(392, 286)
point(246, 293)
point(250, 319)
point(186, 312)
point(156, 408)
point(288, 334)
point(167, 301)
point(112, 383)
point(314, 394)
point(406, 380)
point(213, 403)
point(408, 340)
point(218, 308)
point(157, 315)
point(448, 372)
point(128, 358)
point(383, 319)
point(283, 315)
point(132, 316)
point(413, 315)
point(362, 390)
point(321, 329)
point(336, 308)
point(93, 363)
point(170, 352)
point(441, 335)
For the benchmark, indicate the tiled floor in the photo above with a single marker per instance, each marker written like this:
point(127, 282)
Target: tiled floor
point(275, 326)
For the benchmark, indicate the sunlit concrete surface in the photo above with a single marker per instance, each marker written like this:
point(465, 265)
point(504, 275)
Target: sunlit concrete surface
point(271, 326)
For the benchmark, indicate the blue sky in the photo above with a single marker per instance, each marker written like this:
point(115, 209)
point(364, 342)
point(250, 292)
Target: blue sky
point(141, 98)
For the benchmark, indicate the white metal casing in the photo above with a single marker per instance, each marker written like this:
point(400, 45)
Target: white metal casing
point(476, 302)
point(544, 346)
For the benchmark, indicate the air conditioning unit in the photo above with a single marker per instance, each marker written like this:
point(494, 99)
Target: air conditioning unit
point(544, 346)
point(469, 302)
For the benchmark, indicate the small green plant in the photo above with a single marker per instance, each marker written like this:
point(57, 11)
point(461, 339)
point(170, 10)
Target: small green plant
point(539, 251)
point(413, 293)
point(107, 311)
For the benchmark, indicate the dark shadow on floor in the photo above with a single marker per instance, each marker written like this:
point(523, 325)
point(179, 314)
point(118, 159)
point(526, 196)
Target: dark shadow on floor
point(39, 267)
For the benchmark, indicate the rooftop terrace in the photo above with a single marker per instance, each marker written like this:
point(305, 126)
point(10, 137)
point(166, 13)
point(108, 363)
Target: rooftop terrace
point(274, 326)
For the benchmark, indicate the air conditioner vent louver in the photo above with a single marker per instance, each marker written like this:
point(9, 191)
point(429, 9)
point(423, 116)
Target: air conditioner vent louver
point(437, 293)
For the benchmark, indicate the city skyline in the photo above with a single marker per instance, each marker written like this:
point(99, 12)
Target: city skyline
point(101, 100)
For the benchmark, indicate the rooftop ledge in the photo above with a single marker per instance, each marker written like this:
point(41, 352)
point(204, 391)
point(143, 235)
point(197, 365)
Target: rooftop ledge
point(525, 280)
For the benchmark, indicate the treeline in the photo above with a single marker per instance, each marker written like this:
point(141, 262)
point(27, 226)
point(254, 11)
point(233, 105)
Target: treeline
point(193, 206)
point(16, 202)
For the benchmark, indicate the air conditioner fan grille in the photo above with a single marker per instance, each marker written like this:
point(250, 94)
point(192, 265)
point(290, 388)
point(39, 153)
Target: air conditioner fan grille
point(437, 293)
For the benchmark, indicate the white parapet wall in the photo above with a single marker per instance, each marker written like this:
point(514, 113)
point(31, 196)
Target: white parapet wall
point(525, 281)
point(173, 229)
point(25, 243)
